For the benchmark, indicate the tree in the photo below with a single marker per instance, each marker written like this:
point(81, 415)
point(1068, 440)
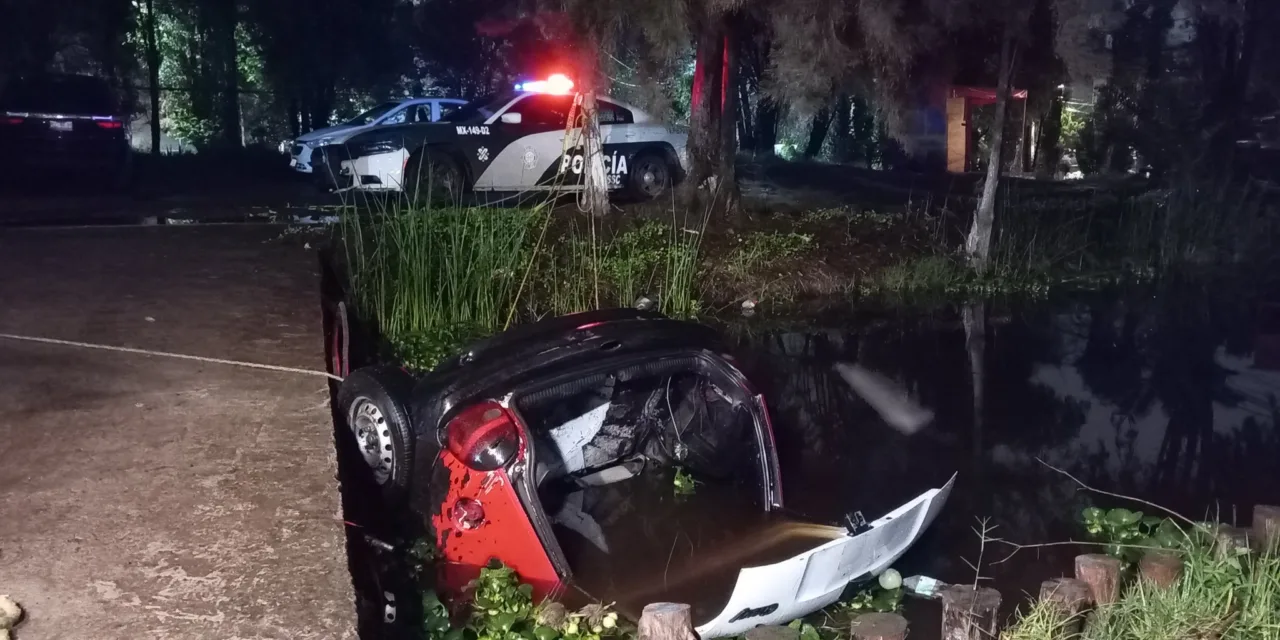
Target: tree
point(152, 52)
point(978, 242)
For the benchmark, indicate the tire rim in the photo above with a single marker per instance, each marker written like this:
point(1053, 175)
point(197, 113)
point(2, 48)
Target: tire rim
point(373, 437)
point(653, 178)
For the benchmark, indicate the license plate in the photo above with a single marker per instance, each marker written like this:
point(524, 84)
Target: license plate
point(293, 162)
point(60, 125)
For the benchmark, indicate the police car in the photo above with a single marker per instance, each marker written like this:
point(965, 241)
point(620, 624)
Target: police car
point(514, 141)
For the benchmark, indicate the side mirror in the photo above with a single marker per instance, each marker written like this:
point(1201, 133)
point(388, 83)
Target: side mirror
point(511, 118)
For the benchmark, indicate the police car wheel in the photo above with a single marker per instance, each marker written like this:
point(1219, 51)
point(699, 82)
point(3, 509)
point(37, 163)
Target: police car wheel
point(432, 178)
point(650, 176)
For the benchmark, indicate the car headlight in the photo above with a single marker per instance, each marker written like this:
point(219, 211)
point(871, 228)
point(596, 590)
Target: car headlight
point(323, 141)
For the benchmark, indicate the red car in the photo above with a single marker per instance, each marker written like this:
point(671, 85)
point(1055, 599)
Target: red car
point(615, 456)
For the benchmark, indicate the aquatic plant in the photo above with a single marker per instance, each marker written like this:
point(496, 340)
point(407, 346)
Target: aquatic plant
point(1128, 534)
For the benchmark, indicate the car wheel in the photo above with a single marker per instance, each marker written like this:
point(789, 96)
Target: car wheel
point(650, 176)
point(432, 178)
point(372, 401)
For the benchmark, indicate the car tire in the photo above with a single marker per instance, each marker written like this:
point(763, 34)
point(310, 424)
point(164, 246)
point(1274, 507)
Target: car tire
point(432, 178)
point(650, 176)
point(373, 406)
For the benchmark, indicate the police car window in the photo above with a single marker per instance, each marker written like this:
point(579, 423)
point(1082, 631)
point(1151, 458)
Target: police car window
point(447, 108)
point(544, 109)
point(613, 114)
point(398, 117)
point(422, 113)
point(479, 109)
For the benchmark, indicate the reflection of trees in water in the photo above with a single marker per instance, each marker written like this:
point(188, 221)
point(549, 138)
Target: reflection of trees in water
point(1154, 361)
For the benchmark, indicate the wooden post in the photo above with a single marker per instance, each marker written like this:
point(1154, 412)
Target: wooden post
point(970, 614)
point(1069, 597)
point(666, 621)
point(879, 626)
point(1102, 574)
point(1160, 568)
point(1266, 528)
point(1231, 540)
point(773, 632)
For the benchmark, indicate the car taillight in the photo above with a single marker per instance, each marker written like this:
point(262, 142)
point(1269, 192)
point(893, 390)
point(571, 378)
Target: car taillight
point(110, 124)
point(12, 120)
point(484, 437)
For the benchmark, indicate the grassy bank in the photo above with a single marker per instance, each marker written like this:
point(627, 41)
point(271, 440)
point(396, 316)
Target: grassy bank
point(434, 279)
point(1224, 593)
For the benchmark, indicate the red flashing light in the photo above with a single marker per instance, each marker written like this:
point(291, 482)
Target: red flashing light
point(110, 124)
point(484, 437)
point(555, 84)
point(14, 120)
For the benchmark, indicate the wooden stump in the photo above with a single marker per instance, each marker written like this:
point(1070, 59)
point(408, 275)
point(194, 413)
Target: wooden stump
point(879, 626)
point(1266, 528)
point(773, 632)
point(666, 621)
point(1160, 568)
point(1102, 574)
point(1231, 540)
point(970, 614)
point(1069, 597)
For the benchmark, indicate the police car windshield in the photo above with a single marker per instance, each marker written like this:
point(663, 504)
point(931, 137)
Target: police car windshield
point(370, 116)
point(481, 108)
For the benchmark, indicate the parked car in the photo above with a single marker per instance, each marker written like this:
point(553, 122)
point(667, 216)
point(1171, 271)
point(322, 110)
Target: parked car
point(69, 126)
point(556, 447)
point(409, 110)
point(514, 141)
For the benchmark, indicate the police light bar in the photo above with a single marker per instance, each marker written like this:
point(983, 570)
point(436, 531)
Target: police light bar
point(556, 83)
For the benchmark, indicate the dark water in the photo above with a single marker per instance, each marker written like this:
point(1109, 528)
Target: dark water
point(1169, 395)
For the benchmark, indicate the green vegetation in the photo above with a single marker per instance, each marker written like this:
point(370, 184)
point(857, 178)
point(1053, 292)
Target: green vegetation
point(684, 483)
point(1225, 592)
point(1128, 534)
point(436, 279)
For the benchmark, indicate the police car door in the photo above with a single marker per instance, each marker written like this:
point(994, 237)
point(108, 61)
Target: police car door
point(520, 145)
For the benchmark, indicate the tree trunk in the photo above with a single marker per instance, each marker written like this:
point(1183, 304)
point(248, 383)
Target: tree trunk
point(766, 127)
point(842, 148)
point(1049, 151)
point(728, 123)
point(978, 244)
point(746, 121)
point(295, 118)
point(153, 74)
point(705, 105)
point(594, 177)
point(818, 133)
point(229, 112)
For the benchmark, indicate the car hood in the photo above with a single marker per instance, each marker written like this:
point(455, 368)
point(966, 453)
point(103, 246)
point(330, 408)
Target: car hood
point(339, 131)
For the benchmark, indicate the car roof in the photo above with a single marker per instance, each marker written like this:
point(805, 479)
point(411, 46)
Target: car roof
point(638, 115)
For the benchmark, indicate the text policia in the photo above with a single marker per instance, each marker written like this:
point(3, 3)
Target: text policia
point(615, 166)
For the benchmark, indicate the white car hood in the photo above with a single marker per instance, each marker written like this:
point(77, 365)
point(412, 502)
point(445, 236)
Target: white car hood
point(339, 133)
point(781, 592)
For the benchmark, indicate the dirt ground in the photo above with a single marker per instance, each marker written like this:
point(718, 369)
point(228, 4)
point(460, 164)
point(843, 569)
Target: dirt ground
point(147, 497)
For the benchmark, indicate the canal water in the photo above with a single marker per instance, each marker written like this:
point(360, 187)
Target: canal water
point(1166, 394)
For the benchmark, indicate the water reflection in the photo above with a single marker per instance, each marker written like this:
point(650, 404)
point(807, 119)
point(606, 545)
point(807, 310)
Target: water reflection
point(1165, 395)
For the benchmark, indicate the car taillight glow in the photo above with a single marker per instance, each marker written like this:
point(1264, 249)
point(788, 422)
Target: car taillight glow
point(110, 124)
point(13, 120)
point(556, 84)
point(484, 436)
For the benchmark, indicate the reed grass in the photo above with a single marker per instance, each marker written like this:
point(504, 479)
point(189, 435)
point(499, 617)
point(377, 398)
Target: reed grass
point(433, 279)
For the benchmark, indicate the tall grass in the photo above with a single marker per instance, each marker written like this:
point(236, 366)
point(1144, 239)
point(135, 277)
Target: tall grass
point(434, 279)
point(1222, 595)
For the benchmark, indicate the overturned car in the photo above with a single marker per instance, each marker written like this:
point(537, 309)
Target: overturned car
point(565, 449)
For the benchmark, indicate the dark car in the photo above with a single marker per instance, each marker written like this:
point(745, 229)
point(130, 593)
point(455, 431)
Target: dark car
point(68, 127)
point(561, 448)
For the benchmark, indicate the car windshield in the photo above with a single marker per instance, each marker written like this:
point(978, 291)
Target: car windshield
point(481, 108)
point(372, 115)
point(70, 95)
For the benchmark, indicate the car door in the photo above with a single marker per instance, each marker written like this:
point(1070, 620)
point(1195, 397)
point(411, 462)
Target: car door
point(519, 147)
